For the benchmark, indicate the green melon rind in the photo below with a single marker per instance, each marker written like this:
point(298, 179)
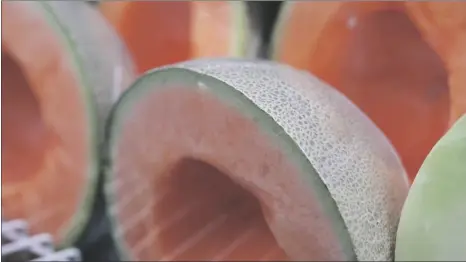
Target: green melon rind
point(245, 34)
point(239, 34)
point(283, 14)
point(233, 81)
point(433, 221)
point(69, 20)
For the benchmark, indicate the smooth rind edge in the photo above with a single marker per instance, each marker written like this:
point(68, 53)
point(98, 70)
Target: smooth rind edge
point(76, 225)
point(240, 35)
point(445, 141)
point(283, 13)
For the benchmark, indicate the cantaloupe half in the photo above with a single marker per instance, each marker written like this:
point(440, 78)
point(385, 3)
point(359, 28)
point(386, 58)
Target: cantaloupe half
point(433, 221)
point(62, 68)
point(442, 24)
point(159, 33)
point(377, 56)
point(229, 159)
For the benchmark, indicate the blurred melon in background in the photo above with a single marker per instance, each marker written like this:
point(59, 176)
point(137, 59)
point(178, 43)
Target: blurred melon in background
point(158, 33)
point(402, 63)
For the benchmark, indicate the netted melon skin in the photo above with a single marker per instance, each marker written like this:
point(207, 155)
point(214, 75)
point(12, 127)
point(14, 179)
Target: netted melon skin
point(353, 158)
point(433, 221)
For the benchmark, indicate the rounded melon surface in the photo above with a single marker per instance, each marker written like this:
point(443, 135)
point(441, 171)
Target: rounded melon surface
point(433, 220)
point(159, 33)
point(228, 159)
point(63, 67)
point(378, 55)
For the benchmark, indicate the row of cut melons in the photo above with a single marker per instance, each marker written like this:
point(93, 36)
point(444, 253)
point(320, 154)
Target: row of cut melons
point(64, 66)
point(215, 159)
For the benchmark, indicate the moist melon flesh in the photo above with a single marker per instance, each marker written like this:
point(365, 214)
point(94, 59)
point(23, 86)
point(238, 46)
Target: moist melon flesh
point(24, 134)
point(433, 221)
point(49, 130)
point(41, 152)
point(375, 55)
point(248, 161)
point(159, 33)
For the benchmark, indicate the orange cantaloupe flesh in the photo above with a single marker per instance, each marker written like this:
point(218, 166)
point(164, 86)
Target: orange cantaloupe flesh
point(36, 146)
point(376, 56)
point(56, 90)
point(24, 131)
point(199, 213)
point(159, 33)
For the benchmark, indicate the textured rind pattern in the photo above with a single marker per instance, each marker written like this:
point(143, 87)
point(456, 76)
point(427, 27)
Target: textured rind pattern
point(105, 61)
point(351, 155)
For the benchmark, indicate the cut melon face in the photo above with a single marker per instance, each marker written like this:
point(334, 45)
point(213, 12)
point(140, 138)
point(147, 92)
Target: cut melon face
point(50, 119)
point(433, 221)
point(231, 160)
point(159, 33)
point(375, 55)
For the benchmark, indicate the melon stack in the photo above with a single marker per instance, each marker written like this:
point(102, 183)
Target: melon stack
point(64, 66)
point(196, 152)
